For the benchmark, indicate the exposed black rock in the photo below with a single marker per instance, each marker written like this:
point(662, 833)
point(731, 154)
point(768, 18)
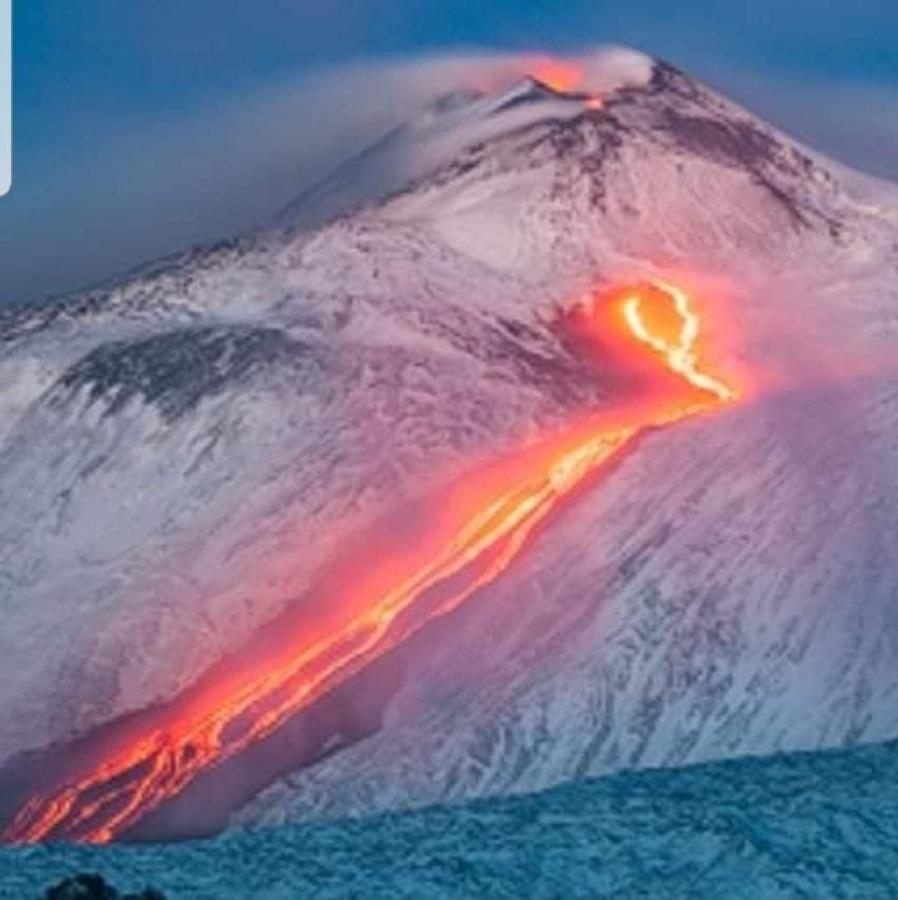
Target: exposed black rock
point(91, 886)
point(176, 369)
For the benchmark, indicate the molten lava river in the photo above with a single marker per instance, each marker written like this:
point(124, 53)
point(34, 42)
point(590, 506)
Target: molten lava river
point(480, 526)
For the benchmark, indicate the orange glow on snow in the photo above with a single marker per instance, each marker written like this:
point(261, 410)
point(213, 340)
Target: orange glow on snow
point(473, 533)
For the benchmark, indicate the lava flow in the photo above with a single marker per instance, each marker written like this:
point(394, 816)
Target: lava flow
point(478, 528)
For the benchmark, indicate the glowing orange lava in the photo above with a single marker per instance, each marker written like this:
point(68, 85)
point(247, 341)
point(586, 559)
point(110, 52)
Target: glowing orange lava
point(676, 343)
point(476, 531)
point(561, 75)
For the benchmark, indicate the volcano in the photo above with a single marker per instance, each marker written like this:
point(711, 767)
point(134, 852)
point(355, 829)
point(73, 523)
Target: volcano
point(239, 438)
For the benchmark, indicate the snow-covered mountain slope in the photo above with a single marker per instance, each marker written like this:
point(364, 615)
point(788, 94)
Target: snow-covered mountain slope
point(184, 449)
point(802, 825)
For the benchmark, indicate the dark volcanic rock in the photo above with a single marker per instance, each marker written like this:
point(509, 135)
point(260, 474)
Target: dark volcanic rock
point(91, 886)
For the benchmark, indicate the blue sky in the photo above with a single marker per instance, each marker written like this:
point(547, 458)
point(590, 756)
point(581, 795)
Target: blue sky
point(96, 78)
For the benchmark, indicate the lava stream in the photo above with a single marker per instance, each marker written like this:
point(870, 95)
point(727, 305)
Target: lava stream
point(475, 534)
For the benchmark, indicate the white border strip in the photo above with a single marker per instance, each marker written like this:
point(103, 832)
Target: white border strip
point(5, 96)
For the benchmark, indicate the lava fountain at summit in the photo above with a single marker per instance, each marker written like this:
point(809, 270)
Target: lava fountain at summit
point(470, 536)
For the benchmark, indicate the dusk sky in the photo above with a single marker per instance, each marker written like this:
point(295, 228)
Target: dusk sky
point(117, 156)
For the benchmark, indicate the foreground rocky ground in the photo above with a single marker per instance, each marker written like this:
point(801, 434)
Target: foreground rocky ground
point(808, 824)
